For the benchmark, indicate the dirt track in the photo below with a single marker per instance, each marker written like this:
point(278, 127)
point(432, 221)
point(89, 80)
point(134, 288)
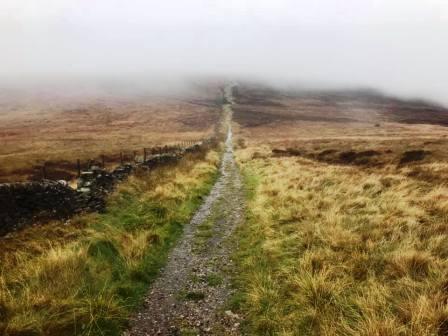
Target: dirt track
point(190, 295)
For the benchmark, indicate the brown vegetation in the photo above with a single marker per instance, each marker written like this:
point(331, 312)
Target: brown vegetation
point(346, 231)
point(59, 129)
point(260, 106)
point(415, 150)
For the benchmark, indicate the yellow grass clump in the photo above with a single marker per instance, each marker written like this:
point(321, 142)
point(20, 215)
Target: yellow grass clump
point(337, 250)
point(84, 278)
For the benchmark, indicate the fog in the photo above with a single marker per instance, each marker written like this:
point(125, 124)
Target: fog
point(399, 46)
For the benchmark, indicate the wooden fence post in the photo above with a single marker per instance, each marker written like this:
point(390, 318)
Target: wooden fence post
point(103, 161)
point(78, 166)
point(44, 171)
point(144, 155)
point(135, 155)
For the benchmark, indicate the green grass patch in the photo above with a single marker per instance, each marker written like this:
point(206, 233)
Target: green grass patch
point(206, 230)
point(251, 254)
point(189, 332)
point(194, 296)
point(214, 280)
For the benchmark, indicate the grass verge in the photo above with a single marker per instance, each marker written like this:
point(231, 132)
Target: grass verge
point(86, 278)
point(331, 250)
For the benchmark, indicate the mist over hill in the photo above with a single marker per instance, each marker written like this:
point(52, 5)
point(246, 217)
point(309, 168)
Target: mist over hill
point(398, 46)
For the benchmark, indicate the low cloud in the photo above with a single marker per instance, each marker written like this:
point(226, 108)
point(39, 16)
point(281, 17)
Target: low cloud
point(398, 46)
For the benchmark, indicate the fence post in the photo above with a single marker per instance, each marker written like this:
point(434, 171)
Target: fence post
point(121, 158)
point(78, 166)
point(103, 161)
point(144, 155)
point(44, 171)
point(134, 153)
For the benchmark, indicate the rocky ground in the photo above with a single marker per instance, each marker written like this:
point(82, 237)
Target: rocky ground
point(189, 297)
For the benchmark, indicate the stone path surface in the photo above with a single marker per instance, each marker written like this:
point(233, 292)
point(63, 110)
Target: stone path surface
point(189, 296)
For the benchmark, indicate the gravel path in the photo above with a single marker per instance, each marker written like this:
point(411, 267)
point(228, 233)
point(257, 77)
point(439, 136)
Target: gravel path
point(189, 296)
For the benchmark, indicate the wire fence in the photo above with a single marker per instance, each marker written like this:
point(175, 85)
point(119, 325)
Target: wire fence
point(67, 170)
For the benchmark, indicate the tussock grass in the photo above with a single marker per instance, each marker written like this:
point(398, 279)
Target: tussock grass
point(336, 250)
point(86, 277)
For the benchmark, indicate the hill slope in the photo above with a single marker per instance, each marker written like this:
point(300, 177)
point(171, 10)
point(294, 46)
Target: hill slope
point(259, 105)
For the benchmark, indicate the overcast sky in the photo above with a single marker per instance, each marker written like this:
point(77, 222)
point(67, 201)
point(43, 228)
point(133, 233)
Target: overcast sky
point(397, 45)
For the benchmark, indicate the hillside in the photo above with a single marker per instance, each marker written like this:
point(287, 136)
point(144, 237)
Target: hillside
point(306, 219)
point(59, 128)
point(260, 105)
point(346, 228)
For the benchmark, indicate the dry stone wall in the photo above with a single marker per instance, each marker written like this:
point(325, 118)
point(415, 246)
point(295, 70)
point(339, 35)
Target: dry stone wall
point(25, 203)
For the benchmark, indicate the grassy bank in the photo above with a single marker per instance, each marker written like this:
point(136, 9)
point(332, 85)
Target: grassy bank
point(86, 277)
point(333, 250)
